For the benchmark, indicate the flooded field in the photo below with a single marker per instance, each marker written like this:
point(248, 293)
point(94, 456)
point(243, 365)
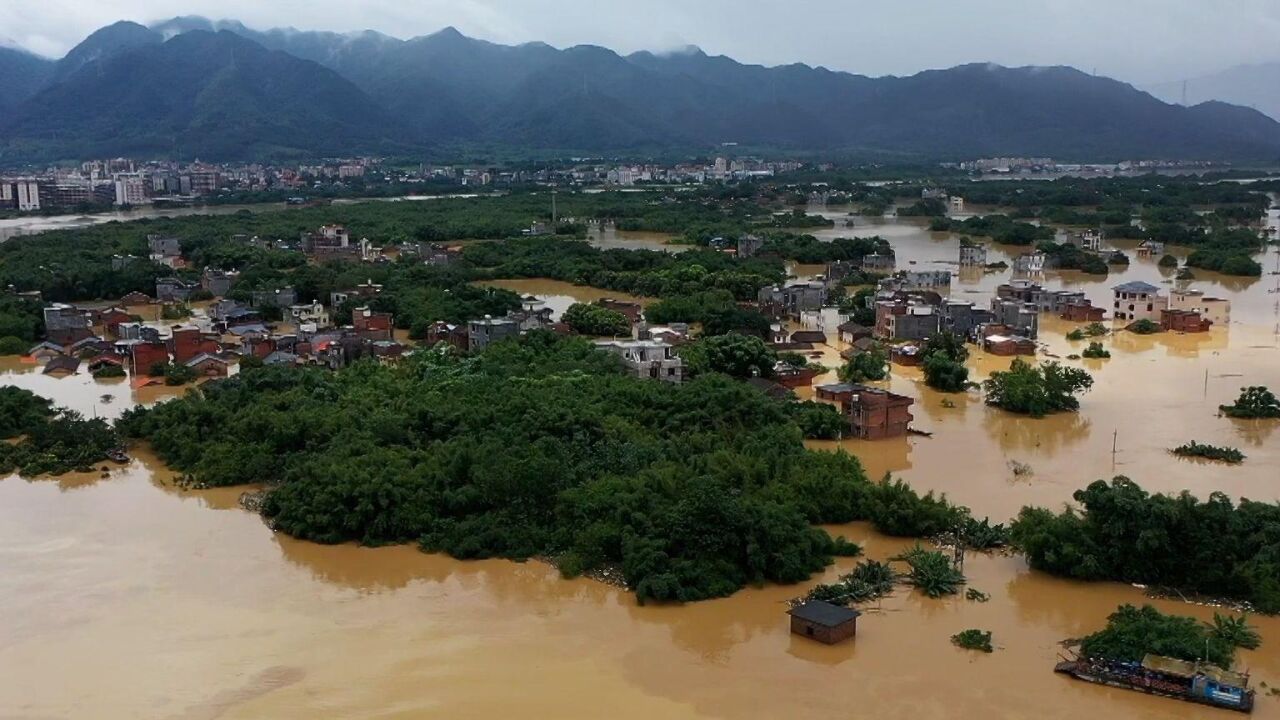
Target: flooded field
point(127, 597)
point(559, 295)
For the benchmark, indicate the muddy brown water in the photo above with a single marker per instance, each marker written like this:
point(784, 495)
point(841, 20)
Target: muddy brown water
point(127, 597)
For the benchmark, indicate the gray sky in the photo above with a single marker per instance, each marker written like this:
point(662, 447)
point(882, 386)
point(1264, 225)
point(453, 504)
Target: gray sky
point(1139, 41)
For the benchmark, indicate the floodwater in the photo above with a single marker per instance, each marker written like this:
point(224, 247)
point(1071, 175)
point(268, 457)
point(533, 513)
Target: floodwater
point(32, 224)
point(609, 237)
point(128, 597)
point(559, 295)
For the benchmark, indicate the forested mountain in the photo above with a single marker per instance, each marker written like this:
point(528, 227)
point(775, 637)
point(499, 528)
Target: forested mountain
point(200, 94)
point(21, 76)
point(175, 89)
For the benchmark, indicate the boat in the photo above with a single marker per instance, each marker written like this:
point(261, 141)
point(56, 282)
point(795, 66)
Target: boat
point(117, 455)
point(1196, 682)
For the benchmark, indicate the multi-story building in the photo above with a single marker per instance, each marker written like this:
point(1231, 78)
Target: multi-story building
point(1215, 310)
point(648, 359)
point(1021, 318)
point(792, 299)
point(66, 324)
point(218, 282)
point(482, 333)
point(1138, 300)
point(27, 193)
point(312, 315)
point(1031, 262)
point(973, 254)
point(905, 320)
point(130, 189)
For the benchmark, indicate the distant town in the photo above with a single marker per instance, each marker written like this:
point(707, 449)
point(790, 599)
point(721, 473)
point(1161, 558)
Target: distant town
point(124, 182)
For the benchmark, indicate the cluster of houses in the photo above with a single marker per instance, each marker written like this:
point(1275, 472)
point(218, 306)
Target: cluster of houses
point(206, 344)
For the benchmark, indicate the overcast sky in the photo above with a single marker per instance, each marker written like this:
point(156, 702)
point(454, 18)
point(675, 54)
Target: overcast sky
point(1139, 41)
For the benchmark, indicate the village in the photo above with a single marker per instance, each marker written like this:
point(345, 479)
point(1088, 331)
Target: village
point(190, 330)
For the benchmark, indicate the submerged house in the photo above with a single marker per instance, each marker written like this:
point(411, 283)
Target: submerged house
point(824, 622)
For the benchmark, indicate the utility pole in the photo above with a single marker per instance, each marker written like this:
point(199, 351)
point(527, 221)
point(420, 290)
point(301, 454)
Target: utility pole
point(553, 209)
point(1184, 93)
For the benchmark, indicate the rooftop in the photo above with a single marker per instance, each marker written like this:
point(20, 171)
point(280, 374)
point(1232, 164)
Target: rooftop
point(1136, 286)
point(823, 613)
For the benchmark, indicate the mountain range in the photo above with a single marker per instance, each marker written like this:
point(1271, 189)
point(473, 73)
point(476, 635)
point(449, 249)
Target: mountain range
point(190, 87)
point(1256, 86)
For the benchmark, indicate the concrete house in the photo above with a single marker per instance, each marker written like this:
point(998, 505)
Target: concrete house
point(482, 333)
point(875, 414)
point(173, 289)
point(1215, 310)
point(973, 255)
point(1137, 300)
point(65, 324)
point(792, 299)
point(647, 359)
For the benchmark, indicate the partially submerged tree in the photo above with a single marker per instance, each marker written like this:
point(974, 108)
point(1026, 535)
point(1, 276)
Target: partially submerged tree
point(1037, 391)
point(1255, 401)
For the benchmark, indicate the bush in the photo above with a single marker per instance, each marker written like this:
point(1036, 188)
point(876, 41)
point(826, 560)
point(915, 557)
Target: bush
point(1143, 327)
point(10, 345)
point(109, 371)
point(1211, 452)
point(1168, 261)
point(931, 572)
point(1096, 351)
point(973, 639)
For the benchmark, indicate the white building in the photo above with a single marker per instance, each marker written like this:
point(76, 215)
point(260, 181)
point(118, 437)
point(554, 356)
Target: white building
point(28, 193)
point(648, 359)
point(1137, 300)
point(131, 189)
point(309, 314)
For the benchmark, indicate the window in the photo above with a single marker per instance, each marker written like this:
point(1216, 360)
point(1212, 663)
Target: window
point(1148, 307)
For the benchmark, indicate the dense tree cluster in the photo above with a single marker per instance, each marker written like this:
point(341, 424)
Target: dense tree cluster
point(1065, 256)
point(21, 410)
point(809, 249)
point(1000, 228)
point(873, 364)
point(536, 447)
point(21, 324)
point(1225, 261)
point(1209, 452)
point(589, 319)
point(1036, 391)
point(944, 357)
point(52, 441)
point(739, 356)
point(1255, 401)
point(1132, 633)
point(1123, 533)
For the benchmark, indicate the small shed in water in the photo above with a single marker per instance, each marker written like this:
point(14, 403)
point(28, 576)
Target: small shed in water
point(824, 622)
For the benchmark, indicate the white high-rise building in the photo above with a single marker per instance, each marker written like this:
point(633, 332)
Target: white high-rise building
point(28, 192)
point(131, 189)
